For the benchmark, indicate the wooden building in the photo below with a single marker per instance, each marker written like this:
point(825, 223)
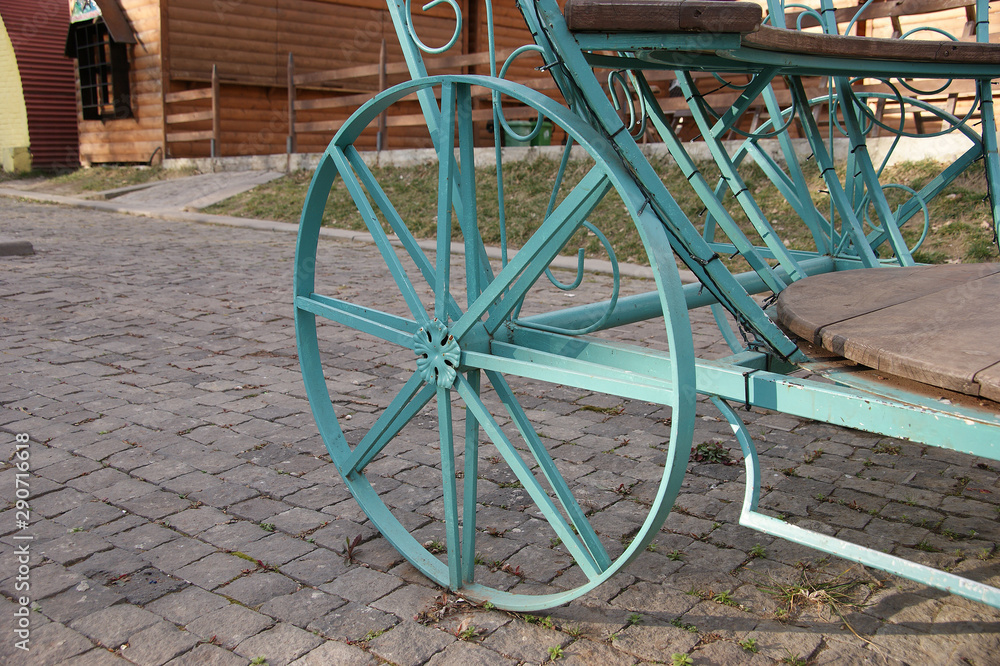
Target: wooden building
point(193, 78)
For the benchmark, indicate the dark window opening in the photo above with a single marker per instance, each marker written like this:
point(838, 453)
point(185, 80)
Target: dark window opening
point(104, 72)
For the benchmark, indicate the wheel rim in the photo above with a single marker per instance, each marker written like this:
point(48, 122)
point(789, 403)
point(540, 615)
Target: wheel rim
point(453, 359)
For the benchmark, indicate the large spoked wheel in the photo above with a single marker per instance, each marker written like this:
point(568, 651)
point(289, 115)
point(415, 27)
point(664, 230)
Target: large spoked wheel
point(442, 382)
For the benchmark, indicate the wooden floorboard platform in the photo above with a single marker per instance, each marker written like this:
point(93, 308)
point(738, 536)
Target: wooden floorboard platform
point(939, 325)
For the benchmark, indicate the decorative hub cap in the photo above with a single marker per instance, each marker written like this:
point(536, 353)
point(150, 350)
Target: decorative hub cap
point(437, 354)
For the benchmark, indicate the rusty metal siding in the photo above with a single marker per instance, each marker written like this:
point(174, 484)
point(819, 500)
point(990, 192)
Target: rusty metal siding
point(37, 29)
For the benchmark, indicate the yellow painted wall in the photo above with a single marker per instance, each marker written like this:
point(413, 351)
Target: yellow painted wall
point(14, 141)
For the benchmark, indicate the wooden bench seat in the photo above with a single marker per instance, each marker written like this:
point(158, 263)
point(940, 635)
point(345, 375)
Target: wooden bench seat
point(744, 18)
point(662, 16)
point(939, 325)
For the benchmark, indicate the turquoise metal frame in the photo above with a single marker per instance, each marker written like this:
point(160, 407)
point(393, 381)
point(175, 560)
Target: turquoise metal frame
point(468, 335)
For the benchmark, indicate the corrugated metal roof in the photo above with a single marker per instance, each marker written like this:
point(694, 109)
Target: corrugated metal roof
point(37, 29)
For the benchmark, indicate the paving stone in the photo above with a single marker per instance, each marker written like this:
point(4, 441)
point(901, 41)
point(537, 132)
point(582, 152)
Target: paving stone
point(230, 625)
point(652, 598)
point(410, 644)
point(71, 468)
point(162, 470)
point(279, 645)
point(89, 515)
point(258, 510)
point(187, 605)
point(99, 657)
point(299, 520)
point(177, 553)
point(234, 535)
point(195, 521)
point(590, 620)
point(333, 535)
point(49, 645)
point(109, 565)
point(362, 585)
point(46, 580)
point(302, 607)
point(525, 642)
point(208, 655)
point(146, 537)
point(778, 641)
point(277, 549)
point(316, 567)
point(407, 601)
point(111, 627)
point(724, 652)
point(588, 653)
point(334, 652)
point(215, 570)
point(158, 644)
point(156, 505)
point(126, 522)
point(318, 497)
point(223, 495)
point(146, 585)
point(55, 503)
point(652, 643)
point(98, 480)
point(78, 601)
point(255, 589)
point(462, 653)
point(193, 482)
point(124, 490)
point(74, 547)
point(352, 622)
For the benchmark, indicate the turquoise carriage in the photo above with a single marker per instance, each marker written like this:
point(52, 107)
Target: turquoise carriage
point(470, 342)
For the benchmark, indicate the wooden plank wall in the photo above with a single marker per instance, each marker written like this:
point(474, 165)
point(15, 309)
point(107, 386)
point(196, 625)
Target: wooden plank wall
point(132, 139)
point(249, 41)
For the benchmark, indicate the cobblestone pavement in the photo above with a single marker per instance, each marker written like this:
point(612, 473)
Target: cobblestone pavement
point(183, 509)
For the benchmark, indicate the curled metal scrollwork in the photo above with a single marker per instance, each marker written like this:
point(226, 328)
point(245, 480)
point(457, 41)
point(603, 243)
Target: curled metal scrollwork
point(612, 302)
point(637, 112)
point(411, 28)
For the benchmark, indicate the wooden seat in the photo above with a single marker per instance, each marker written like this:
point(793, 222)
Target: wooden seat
point(767, 38)
point(744, 18)
point(719, 16)
point(939, 325)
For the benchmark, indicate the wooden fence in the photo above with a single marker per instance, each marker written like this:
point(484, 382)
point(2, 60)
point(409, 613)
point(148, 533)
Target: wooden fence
point(315, 103)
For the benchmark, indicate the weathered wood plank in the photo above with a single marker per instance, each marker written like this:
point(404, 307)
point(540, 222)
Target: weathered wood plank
point(662, 16)
point(188, 95)
point(933, 324)
point(871, 48)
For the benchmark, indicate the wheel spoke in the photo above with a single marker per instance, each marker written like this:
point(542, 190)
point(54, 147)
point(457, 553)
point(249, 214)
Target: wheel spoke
point(410, 400)
point(390, 328)
point(531, 260)
point(541, 499)
point(470, 486)
point(448, 486)
point(385, 248)
point(550, 471)
point(446, 183)
point(477, 266)
point(396, 223)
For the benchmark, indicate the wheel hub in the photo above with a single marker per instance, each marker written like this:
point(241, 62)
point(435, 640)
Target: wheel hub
point(437, 353)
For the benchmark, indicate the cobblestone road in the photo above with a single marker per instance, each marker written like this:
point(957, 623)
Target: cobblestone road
point(183, 509)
